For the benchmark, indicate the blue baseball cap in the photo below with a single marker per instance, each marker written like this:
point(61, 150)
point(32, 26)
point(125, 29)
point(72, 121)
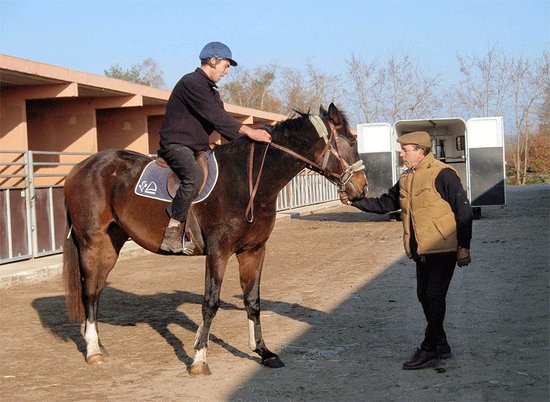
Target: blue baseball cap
point(217, 50)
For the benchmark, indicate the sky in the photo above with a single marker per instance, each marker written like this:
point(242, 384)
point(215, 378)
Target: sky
point(90, 36)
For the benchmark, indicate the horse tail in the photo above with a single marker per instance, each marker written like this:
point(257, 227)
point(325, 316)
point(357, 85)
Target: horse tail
point(72, 276)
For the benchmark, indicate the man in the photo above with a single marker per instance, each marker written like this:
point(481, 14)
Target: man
point(437, 222)
point(193, 112)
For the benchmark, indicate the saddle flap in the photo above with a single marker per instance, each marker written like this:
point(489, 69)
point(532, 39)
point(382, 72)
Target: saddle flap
point(157, 181)
point(203, 163)
point(173, 182)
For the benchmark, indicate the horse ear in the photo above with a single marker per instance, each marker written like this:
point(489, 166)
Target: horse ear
point(322, 110)
point(335, 115)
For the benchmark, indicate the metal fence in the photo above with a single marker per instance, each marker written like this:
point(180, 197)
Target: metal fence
point(32, 212)
point(307, 188)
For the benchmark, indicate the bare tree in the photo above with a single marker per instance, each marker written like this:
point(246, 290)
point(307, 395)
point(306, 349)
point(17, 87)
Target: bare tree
point(293, 90)
point(252, 89)
point(147, 72)
point(515, 88)
point(397, 90)
point(367, 82)
point(544, 106)
point(151, 74)
point(529, 87)
point(483, 87)
point(306, 91)
point(234, 90)
point(323, 88)
point(409, 92)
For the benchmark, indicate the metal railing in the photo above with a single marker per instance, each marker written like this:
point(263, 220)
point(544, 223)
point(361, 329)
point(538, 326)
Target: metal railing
point(307, 188)
point(32, 214)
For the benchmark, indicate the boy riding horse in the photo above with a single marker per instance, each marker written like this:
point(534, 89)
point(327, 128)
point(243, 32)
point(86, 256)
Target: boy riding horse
point(193, 112)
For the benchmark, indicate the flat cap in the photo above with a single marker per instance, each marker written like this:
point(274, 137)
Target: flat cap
point(416, 137)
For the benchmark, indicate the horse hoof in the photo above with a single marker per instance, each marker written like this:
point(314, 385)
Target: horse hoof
point(95, 360)
point(273, 362)
point(199, 369)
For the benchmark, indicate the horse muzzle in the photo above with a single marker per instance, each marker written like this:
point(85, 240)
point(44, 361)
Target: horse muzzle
point(354, 181)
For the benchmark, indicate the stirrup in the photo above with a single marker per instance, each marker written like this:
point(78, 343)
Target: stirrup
point(165, 246)
point(188, 247)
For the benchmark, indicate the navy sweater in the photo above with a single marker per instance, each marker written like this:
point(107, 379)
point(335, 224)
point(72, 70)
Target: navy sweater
point(193, 112)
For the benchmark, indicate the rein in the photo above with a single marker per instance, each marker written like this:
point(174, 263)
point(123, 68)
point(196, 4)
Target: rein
point(253, 188)
point(339, 179)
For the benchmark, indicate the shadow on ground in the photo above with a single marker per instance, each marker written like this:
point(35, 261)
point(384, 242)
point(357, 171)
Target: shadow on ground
point(159, 311)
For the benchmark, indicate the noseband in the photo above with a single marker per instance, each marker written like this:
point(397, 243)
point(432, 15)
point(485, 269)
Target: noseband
point(339, 179)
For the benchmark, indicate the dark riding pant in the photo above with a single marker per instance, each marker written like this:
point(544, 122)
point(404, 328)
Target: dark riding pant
point(433, 276)
point(182, 161)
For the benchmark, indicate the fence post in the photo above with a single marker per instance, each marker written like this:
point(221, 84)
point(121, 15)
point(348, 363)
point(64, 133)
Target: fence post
point(6, 194)
point(31, 205)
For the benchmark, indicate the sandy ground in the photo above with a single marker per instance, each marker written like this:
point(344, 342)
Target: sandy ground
point(338, 305)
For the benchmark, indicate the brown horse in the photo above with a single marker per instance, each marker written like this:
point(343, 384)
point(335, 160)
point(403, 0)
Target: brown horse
point(103, 212)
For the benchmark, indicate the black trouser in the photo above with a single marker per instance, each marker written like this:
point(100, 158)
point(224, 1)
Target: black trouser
point(182, 161)
point(433, 276)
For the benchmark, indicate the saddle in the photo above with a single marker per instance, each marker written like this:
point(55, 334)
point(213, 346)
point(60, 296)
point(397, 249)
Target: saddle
point(158, 181)
point(173, 182)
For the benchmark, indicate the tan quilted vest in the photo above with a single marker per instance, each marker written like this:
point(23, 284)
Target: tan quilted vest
point(422, 207)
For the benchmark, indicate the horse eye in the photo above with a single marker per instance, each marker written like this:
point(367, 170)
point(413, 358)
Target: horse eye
point(352, 142)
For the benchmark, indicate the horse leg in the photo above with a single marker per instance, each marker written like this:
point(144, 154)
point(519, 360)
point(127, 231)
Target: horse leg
point(250, 270)
point(215, 269)
point(97, 259)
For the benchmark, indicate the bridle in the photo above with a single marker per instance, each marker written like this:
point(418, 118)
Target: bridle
point(321, 167)
point(347, 170)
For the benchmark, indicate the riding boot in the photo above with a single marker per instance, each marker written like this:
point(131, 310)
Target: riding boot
point(173, 237)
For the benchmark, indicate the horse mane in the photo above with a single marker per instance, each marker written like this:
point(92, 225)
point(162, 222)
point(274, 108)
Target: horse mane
point(280, 133)
point(300, 117)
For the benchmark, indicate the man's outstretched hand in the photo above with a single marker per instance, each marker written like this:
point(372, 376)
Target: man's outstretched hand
point(344, 197)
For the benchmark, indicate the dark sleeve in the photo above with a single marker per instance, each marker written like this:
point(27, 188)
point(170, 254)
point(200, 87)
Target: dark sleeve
point(448, 185)
point(207, 104)
point(380, 205)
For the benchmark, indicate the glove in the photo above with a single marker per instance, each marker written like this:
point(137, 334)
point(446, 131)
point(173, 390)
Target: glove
point(463, 257)
point(344, 198)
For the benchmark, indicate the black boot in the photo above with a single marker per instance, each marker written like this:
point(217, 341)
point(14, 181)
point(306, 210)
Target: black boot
point(173, 238)
point(420, 359)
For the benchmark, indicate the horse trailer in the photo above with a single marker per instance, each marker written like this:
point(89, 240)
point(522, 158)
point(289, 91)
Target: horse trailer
point(475, 149)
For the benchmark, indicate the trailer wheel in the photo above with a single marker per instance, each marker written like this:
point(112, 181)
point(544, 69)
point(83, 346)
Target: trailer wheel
point(477, 212)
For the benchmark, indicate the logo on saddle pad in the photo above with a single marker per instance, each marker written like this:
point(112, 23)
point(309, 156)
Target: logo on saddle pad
point(157, 181)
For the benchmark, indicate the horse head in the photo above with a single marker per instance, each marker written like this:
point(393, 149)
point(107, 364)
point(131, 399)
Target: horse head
point(341, 163)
